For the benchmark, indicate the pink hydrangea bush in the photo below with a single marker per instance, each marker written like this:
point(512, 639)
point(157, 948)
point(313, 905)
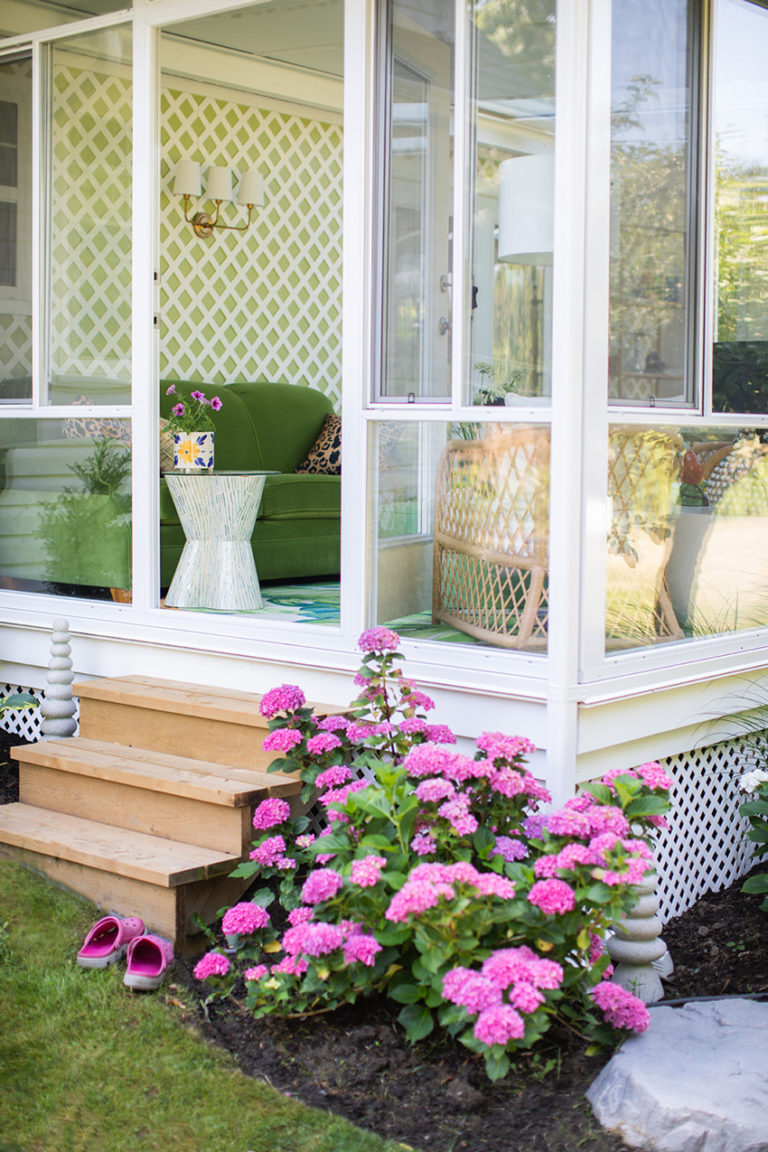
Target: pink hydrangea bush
point(437, 878)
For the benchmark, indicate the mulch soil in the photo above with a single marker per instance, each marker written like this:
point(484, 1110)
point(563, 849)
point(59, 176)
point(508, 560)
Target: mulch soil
point(355, 1062)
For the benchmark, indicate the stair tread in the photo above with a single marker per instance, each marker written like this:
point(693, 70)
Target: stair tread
point(158, 771)
point(136, 855)
point(179, 697)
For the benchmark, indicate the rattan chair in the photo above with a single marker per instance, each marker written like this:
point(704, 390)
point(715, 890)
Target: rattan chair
point(491, 538)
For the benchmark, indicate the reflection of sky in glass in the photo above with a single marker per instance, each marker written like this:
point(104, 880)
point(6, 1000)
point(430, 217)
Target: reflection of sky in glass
point(741, 81)
point(649, 40)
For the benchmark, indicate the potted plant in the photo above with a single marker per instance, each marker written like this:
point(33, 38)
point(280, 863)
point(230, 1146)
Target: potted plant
point(191, 423)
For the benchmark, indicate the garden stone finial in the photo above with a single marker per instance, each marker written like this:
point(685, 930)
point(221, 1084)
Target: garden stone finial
point(636, 948)
point(58, 706)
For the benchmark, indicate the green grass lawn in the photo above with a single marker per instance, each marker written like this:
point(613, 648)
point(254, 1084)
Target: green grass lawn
point(85, 1063)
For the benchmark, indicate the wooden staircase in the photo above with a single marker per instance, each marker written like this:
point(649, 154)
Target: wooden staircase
point(149, 809)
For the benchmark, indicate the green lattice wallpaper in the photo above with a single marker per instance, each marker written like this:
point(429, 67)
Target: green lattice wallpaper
point(266, 303)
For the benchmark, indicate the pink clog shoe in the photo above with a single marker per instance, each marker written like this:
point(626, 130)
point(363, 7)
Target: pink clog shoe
point(149, 960)
point(107, 941)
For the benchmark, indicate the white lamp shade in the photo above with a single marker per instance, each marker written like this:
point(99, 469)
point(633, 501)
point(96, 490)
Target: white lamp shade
point(186, 181)
point(219, 184)
point(251, 189)
point(526, 209)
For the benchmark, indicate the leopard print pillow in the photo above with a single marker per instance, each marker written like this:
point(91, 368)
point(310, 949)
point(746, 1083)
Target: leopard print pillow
point(324, 457)
point(95, 427)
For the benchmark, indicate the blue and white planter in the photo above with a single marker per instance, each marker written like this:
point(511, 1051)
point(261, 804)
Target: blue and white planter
point(193, 451)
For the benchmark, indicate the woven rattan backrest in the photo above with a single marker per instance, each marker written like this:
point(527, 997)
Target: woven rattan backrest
point(491, 535)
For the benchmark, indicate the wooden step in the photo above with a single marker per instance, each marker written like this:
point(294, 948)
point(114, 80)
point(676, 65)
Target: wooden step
point(134, 855)
point(193, 801)
point(217, 724)
point(130, 874)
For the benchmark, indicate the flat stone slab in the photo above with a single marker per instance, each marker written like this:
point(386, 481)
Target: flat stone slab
point(696, 1081)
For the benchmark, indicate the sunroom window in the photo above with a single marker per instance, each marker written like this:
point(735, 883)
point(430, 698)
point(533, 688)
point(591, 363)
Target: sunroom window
point(460, 502)
point(688, 503)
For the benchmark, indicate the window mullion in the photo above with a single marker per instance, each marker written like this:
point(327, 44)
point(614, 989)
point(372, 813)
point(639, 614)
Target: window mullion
point(461, 262)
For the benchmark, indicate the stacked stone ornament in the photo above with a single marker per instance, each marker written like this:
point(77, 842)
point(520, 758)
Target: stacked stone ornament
point(58, 705)
point(636, 948)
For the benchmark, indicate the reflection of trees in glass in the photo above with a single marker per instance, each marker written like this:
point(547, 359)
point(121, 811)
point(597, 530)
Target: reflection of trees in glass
point(741, 242)
point(648, 245)
point(518, 301)
point(522, 31)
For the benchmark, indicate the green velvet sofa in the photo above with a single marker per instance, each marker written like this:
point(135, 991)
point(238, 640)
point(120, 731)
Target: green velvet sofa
point(54, 533)
point(268, 427)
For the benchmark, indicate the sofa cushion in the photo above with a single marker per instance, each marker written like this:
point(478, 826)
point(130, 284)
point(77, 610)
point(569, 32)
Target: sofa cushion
point(301, 497)
point(324, 457)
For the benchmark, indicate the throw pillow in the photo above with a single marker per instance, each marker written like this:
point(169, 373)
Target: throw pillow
point(166, 446)
point(95, 427)
point(324, 457)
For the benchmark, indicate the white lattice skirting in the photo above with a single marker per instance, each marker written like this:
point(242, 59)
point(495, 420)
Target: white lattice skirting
point(22, 722)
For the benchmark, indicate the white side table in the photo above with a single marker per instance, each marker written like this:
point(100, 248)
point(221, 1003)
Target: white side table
point(217, 512)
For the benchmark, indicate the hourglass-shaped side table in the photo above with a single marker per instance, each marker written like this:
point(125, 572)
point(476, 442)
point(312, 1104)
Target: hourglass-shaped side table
point(217, 512)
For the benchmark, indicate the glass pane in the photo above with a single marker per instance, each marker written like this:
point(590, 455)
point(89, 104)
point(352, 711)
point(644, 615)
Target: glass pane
point(417, 158)
point(252, 310)
point(462, 531)
point(513, 109)
point(89, 332)
point(65, 507)
point(740, 353)
point(651, 182)
point(687, 532)
point(16, 231)
point(19, 17)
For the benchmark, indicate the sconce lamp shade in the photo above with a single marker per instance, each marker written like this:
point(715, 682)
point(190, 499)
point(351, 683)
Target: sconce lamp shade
point(251, 189)
point(187, 179)
point(526, 209)
point(219, 184)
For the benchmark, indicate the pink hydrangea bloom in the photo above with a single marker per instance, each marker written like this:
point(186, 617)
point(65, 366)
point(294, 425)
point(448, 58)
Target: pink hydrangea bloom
point(256, 973)
point(533, 826)
point(412, 725)
point(439, 734)
point(243, 919)
point(428, 760)
point(322, 742)
point(320, 885)
point(553, 897)
point(491, 884)
point(499, 1025)
point(424, 843)
point(596, 947)
point(434, 788)
point(607, 818)
point(270, 812)
point(654, 776)
point(525, 997)
point(420, 700)
point(212, 964)
point(285, 698)
point(366, 872)
point(269, 851)
point(546, 866)
point(509, 966)
point(300, 916)
point(498, 746)
point(621, 1008)
point(378, 640)
point(511, 849)
point(361, 948)
point(312, 939)
point(333, 724)
point(472, 990)
point(456, 812)
point(282, 740)
point(567, 822)
point(290, 966)
point(414, 897)
point(332, 777)
point(305, 839)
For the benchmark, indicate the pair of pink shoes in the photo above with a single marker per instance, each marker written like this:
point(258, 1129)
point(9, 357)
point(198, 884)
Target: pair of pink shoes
point(148, 958)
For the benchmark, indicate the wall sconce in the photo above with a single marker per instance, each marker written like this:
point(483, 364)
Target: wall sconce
point(187, 183)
